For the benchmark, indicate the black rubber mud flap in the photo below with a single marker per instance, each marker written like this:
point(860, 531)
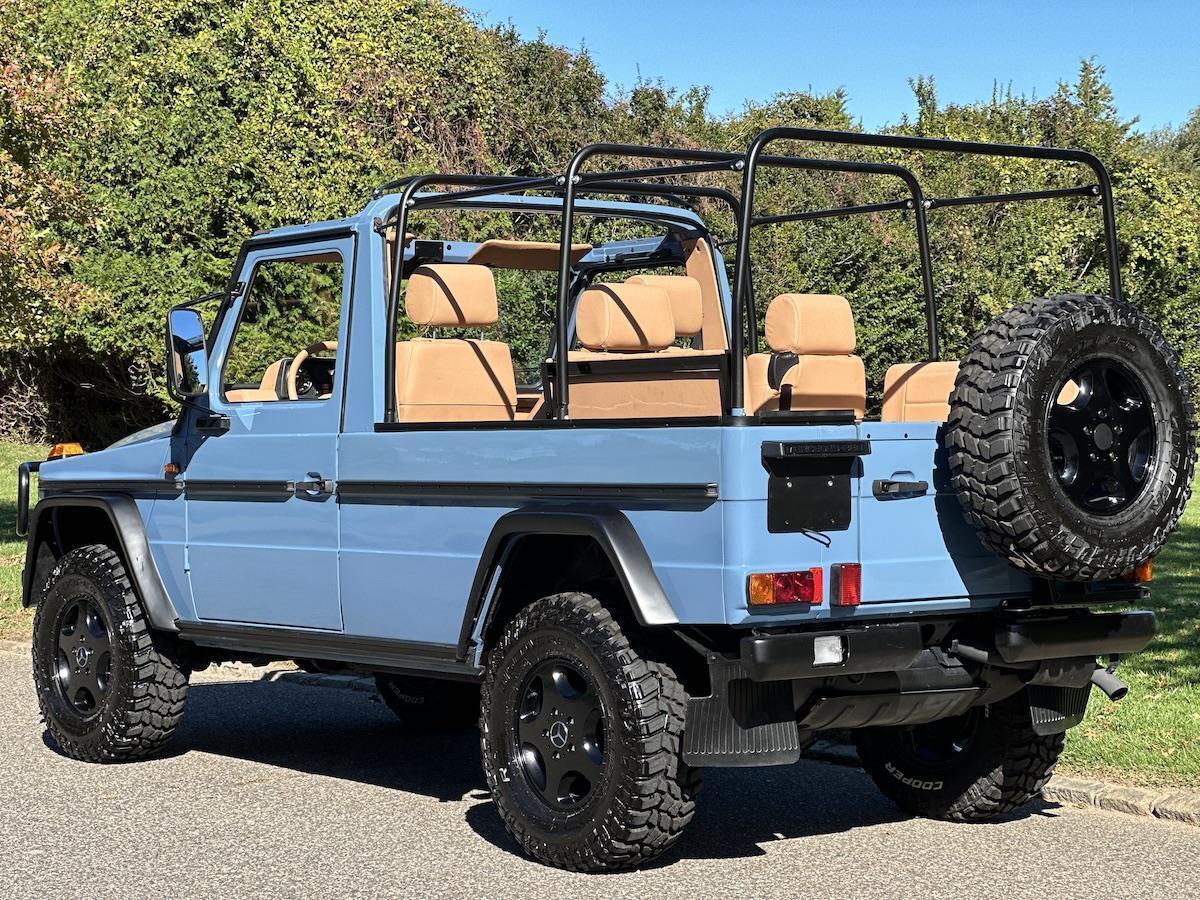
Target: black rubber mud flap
point(1055, 709)
point(742, 723)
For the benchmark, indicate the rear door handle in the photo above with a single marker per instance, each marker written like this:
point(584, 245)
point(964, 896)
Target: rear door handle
point(316, 487)
point(886, 489)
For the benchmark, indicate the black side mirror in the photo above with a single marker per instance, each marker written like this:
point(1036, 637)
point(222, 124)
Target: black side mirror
point(187, 357)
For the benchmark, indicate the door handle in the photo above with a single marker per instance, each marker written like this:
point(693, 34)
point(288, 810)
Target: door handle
point(316, 487)
point(886, 489)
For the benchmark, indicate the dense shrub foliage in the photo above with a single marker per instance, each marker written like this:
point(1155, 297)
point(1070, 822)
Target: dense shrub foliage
point(140, 143)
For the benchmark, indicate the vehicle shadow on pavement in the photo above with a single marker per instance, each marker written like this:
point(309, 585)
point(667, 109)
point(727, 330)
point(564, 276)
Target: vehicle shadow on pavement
point(742, 811)
point(335, 733)
point(351, 735)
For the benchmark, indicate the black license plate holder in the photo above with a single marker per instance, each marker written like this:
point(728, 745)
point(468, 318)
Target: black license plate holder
point(810, 484)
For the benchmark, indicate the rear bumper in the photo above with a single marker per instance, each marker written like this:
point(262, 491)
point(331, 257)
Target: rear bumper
point(1095, 635)
point(891, 647)
point(869, 648)
point(766, 701)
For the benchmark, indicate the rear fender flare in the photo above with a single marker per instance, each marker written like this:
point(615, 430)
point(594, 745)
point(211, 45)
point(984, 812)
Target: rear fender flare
point(127, 523)
point(611, 530)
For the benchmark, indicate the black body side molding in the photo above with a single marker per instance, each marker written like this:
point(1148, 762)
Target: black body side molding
point(611, 530)
point(122, 511)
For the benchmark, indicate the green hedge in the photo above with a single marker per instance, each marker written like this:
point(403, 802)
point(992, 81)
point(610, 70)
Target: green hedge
point(191, 124)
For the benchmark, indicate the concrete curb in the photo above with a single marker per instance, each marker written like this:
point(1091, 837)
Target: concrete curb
point(1171, 804)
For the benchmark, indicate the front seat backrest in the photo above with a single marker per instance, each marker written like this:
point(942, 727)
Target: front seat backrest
point(452, 379)
point(812, 365)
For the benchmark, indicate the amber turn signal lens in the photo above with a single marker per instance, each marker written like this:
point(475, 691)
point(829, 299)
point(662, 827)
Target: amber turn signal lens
point(58, 451)
point(1144, 572)
point(762, 590)
point(786, 587)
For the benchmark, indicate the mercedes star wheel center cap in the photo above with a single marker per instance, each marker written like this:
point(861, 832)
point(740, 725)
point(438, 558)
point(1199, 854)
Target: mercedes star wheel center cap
point(559, 734)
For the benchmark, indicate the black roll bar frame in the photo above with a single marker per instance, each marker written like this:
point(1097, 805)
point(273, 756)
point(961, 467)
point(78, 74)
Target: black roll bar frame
point(756, 156)
point(490, 185)
point(743, 316)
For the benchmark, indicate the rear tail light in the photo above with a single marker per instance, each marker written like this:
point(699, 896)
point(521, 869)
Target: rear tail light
point(771, 588)
point(847, 584)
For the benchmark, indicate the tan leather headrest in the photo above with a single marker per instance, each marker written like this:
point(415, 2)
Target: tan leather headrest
point(810, 324)
point(452, 296)
point(687, 303)
point(529, 256)
point(628, 317)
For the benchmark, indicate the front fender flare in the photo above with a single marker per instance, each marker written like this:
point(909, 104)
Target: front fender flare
point(610, 528)
point(127, 523)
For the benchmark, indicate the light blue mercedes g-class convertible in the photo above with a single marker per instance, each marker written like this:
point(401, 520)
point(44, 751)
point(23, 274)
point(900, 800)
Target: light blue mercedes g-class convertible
point(655, 541)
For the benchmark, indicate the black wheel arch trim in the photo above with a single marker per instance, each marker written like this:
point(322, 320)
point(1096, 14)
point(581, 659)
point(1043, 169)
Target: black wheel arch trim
point(610, 528)
point(127, 523)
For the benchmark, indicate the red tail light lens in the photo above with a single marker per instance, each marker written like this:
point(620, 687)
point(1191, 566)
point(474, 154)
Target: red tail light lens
point(847, 581)
point(773, 588)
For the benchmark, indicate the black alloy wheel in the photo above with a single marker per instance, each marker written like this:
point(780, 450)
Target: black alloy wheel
point(1100, 429)
point(84, 656)
point(940, 744)
point(581, 733)
point(558, 734)
point(109, 686)
point(1071, 440)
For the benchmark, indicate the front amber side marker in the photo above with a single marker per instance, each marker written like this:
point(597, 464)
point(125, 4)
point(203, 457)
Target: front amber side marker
point(170, 470)
point(70, 448)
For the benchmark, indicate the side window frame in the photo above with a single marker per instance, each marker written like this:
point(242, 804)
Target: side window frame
point(248, 264)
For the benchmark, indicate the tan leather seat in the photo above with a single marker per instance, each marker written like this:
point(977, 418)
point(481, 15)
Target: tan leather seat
point(627, 369)
point(687, 303)
point(453, 380)
point(918, 392)
point(812, 341)
point(266, 390)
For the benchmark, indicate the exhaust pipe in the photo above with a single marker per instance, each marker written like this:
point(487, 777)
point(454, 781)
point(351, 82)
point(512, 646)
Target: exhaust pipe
point(1113, 687)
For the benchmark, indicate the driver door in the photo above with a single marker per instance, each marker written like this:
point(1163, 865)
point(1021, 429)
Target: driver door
point(262, 520)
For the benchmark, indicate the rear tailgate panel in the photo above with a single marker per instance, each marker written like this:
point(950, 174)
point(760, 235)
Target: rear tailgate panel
point(914, 544)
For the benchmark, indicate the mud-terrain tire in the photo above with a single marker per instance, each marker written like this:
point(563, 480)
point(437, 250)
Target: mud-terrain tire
point(1071, 439)
point(109, 688)
point(968, 768)
point(431, 702)
point(564, 668)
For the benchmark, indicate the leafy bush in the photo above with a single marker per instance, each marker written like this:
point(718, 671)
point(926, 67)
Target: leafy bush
point(184, 125)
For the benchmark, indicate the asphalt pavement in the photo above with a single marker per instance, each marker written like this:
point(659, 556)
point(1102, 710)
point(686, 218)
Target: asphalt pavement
point(283, 790)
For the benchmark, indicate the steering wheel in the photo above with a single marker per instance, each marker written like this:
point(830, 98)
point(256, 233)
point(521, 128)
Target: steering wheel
point(300, 358)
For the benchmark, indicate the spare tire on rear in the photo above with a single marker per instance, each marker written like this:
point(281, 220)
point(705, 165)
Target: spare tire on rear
point(1072, 437)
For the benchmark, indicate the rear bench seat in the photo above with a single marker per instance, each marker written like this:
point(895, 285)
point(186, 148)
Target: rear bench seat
point(629, 368)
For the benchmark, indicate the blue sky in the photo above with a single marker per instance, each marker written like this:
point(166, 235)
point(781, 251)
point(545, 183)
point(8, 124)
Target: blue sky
point(751, 50)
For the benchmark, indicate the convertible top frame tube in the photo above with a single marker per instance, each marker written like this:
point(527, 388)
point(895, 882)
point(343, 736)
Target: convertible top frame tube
point(756, 156)
point(486, 185)
point(706, 160)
